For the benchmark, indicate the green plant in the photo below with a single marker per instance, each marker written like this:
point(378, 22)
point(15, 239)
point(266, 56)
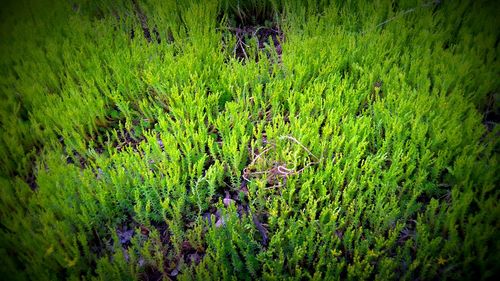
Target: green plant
point(358, 151)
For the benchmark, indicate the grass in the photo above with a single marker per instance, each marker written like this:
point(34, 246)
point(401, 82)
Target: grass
point(138, 143)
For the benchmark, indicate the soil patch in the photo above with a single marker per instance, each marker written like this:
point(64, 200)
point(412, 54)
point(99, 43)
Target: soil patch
point(144, 25)
point(272, 36)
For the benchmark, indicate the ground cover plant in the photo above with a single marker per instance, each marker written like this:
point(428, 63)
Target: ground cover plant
point(262, 139)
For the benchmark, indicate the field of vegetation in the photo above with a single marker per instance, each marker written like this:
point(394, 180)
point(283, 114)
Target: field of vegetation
point(259, 139)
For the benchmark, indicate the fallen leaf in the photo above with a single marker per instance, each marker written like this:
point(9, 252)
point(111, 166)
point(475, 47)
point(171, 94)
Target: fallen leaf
point(144, 230)
point(228, 201)
point(174, 272)
point(220, 222)
point(125, 235)
point(195, 258)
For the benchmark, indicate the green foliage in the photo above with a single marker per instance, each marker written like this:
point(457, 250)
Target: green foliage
point(358, 151)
